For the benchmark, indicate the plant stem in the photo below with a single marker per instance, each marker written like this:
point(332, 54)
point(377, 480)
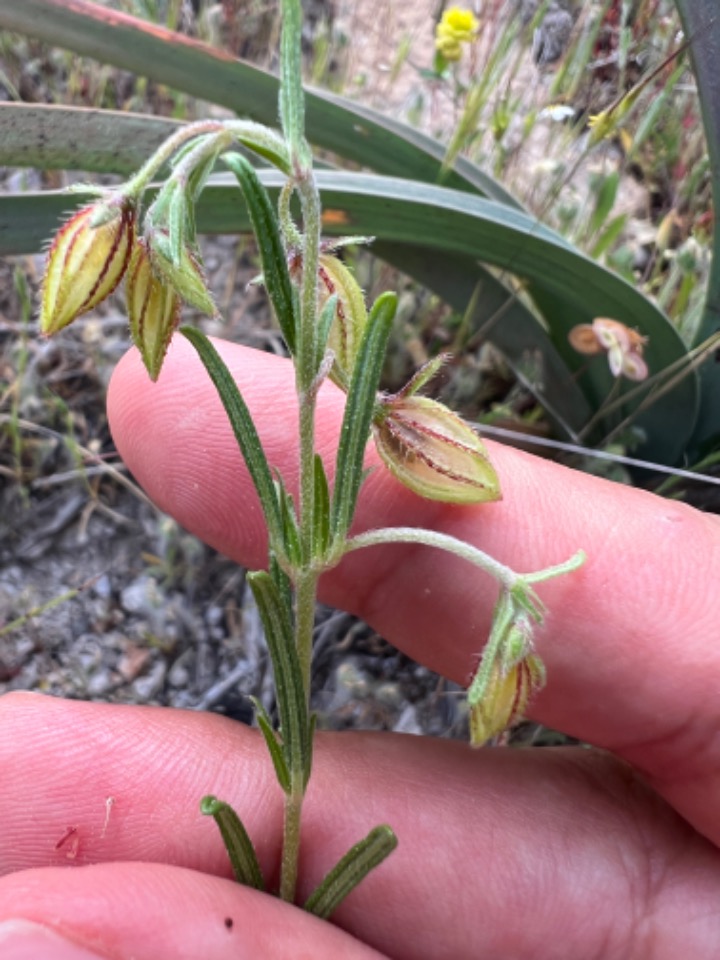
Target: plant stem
point(291, 838)
point(136, 185)
point(306, 578)
point(506, 576)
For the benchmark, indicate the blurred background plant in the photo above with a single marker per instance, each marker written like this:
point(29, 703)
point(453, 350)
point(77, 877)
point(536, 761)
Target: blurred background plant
point(514, 226)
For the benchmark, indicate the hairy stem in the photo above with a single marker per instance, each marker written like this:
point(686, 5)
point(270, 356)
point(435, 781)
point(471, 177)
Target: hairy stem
point(306, 578)
point(154, 164)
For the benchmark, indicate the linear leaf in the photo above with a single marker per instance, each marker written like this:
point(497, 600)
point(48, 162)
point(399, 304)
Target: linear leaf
point(321, 511)
point(272, 252)
point(291, 530)
point(350, 871)
point(237, 842)
point(243, 427)
point(359, 407)
point(273, 744)
point(292, 706)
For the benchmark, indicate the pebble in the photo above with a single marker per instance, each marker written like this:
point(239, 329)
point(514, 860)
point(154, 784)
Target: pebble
point(408, 721)
point(151, 683)
point(140, 596)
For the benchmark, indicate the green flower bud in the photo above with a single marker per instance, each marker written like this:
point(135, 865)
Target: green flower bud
point(153, 310)
point(185, 276)
point(350, 316)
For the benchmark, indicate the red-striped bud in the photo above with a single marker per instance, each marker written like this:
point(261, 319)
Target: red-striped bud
point(153, 310)
point(433, 452)
point(508, 693)
point(86, 261)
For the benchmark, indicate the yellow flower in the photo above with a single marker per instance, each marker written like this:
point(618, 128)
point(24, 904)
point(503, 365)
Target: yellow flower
point(456, 27)
point(602, 125)
point(449, 48)
point(460, 24)
point(153, 310)
point(433, 452)
point(86, 261)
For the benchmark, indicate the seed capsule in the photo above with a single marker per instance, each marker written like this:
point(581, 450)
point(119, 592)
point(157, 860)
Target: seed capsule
point(433, 452)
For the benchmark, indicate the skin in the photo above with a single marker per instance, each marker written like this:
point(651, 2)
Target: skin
point(603, 853)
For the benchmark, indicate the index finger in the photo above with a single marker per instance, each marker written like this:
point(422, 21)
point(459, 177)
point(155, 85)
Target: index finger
point(628, 643)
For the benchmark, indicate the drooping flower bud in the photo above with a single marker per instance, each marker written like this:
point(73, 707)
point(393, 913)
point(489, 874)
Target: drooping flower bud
point(153, 310)
point(433, 452)
point(350, 316)
point(86, 261)
point(185, 275)
point(506, 698)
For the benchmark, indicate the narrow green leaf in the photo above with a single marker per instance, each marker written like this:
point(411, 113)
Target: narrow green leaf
point(292, 97)
point(358, 414)
point(291, 532)
point(282, 583)
point(237, 842)
point(609, 235)
point(321, 511)
point(350, 871)
point(292, 707)
point(273, 744)
point(604, 200)
point(270, 246)
point(243, 428)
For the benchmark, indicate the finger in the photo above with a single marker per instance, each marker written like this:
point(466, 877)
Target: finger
point(142, 911)
point(627, 647)
point(568, 841)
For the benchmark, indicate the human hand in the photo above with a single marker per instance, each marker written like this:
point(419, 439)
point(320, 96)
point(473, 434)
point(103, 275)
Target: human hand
point(516, 854)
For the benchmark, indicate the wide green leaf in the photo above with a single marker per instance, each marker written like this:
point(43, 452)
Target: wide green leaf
point(701, 23)
point(440, 235)
point(332, 122)
point(109, 139)
point(74, 138)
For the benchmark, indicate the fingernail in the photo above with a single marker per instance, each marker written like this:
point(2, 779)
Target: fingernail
point(24, 940)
